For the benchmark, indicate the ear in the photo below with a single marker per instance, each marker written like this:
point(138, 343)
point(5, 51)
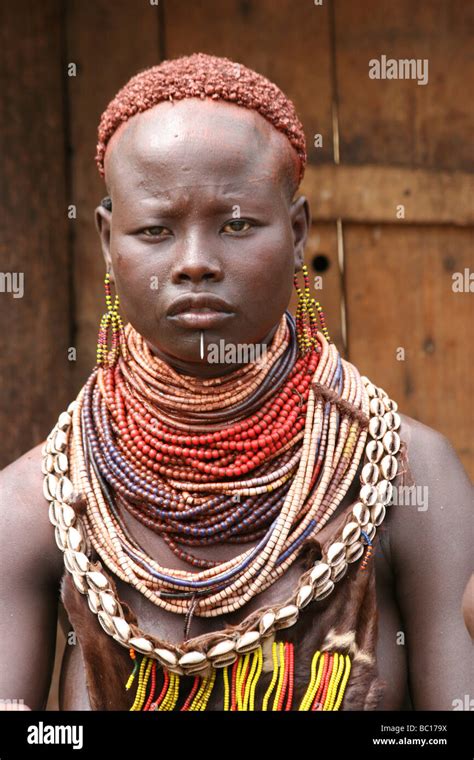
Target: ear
point(300, 216)
point(103, 223)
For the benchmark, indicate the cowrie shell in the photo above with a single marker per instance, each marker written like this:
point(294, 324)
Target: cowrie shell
point(247, 642)
point(227, 659)
point(143, 645)
point(122, 628)
point(391, 442)
point(336, 552)
point(64, 420)
point(192, 658)
point(320, 572)
point(52, 514)
point(108, 603)
point(377, 514)
point(80, 561)
point(339, 570)
point(286, 616)
point(106, 622)
point(267, 623)
point(166, 657)
point(370, 473)
point(370, 388)
point(305, 595)
point(221, 649)
point(385, 491)
point(98, 580)
point(60, 536)
point(354, 551)
point(377, 406)
point(324, 590)
point(389, 466)
point(67, 516)
point(65, 489)
point(374, 451)
point(48, 463)
point(93, 601)
point(368, 495)
point(50, 483)
point(60, 441)
point(392, 420)
point(69, 564)
point(79, 583)
point(61, 464)
point(75, 540)
point(377, 427)
point(350, 533)
point(361, 513)
point(370, 530)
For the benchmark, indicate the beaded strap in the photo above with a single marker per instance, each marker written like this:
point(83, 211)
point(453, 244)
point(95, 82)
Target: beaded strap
point(383, 443)
point(328, 678)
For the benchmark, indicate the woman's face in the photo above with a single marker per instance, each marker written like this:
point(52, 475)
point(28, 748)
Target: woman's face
point(203, 236)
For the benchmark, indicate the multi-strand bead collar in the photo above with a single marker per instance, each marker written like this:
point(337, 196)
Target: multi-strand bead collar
point(282, 444)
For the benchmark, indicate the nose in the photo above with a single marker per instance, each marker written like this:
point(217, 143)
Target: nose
point(194, 262)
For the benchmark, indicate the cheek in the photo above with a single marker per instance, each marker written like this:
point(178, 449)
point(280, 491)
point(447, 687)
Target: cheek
point(137, 282)
point(269, 275)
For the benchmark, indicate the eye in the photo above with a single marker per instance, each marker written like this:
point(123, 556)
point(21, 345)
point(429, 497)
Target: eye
point(154, 231)
point(238, 228)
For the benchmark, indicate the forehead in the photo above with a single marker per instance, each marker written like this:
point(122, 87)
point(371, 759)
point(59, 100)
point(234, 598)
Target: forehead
point(195, 142)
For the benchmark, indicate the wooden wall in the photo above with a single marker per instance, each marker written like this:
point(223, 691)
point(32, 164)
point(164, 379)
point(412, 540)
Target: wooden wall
point(387, 282)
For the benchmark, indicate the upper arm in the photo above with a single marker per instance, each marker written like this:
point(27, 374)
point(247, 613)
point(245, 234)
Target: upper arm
point(30, 570)
point(431, 540)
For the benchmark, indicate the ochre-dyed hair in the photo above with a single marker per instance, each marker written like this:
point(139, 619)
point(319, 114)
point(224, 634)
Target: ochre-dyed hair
point(201, 75)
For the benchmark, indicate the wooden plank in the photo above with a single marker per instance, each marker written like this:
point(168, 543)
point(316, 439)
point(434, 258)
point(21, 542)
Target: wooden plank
point(34, 371)
point(109, 43)
point(374, 193)
point(288, 42)
point(397, 121)
point(401, 297)
point(321, 260)
point(280, 43)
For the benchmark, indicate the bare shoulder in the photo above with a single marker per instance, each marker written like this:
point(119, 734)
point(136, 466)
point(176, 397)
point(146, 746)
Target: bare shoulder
point(429, 526)
point(424, 443)
point(434, 499)
point(432, 456)
point(24, 522)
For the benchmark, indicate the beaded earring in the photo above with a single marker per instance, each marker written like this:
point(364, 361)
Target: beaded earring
point(306, 323)
point(110, 320)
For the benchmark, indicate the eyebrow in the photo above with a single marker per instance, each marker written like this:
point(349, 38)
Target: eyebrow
point(214, 209)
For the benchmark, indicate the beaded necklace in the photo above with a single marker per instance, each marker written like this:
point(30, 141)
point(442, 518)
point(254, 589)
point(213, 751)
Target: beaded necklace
point(134, 439)
point(222, 587)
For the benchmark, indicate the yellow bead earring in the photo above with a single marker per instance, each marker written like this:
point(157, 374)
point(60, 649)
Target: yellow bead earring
point(306, 322)
point(110, 320)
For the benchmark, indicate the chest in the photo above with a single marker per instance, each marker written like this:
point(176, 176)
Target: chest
point(305, 635)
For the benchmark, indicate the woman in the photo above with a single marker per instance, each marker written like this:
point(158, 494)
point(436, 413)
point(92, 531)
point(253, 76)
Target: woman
point(308, 590)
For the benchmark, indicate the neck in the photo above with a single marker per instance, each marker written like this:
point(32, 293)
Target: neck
point(203, 369)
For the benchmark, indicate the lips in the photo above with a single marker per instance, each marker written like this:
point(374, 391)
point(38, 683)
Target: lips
point(201, 310)
point(200, 302)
